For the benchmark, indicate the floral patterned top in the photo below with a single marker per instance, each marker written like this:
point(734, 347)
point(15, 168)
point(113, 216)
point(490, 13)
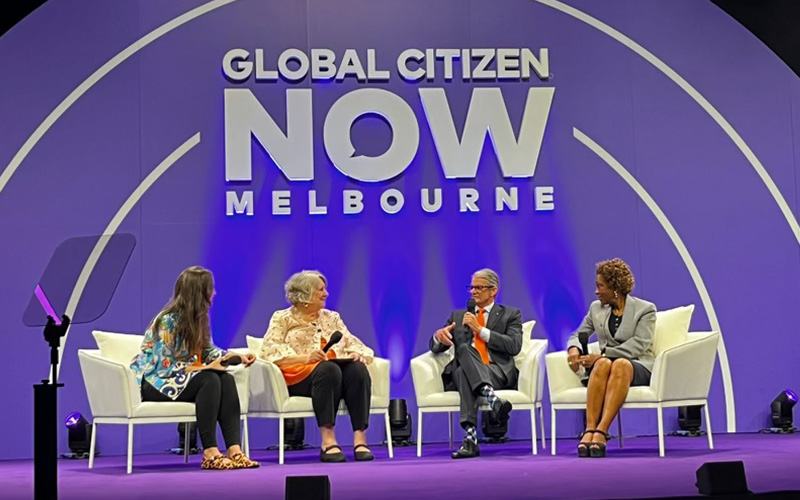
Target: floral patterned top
point(164, 358)
point(289, 335)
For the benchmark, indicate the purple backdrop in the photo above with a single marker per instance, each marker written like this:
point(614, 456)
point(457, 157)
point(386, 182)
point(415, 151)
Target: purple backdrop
point(395, 278)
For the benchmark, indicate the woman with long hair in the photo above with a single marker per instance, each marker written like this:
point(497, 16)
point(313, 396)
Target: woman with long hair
point(179, 362)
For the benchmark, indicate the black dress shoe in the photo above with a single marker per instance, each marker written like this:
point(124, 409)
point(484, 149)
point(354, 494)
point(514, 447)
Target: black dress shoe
point(362, 456)
point(468, 450)
point(326, 457)
point(502, 408)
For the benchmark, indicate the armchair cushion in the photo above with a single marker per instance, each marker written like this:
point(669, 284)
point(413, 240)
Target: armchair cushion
point(119, 347)
point(672, 328)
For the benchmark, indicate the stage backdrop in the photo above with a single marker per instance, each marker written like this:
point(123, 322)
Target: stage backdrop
point(398, 146)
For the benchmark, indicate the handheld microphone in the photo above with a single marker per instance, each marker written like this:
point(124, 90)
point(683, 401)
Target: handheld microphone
point(583, 338)
point(232, 361)
point(471, 305)
point(335, 338)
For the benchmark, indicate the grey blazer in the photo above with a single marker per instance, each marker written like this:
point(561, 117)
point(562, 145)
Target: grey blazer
point(634, 338)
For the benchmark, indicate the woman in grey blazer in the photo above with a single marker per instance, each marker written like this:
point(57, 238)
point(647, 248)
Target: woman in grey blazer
point(624, 326)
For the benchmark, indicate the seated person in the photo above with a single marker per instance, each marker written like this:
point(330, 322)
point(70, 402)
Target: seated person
point(179, 362)
point(624, 325)
point(294, 342)
point(485, 342)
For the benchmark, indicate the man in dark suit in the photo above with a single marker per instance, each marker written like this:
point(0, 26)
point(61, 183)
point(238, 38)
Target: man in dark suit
point(485, 342)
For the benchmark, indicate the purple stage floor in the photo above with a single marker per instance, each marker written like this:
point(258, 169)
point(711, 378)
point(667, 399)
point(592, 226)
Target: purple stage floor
point(771, 464)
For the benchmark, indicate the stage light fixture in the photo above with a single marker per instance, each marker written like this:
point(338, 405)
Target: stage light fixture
point(294, 431)
point(400, 422)
point(782, 411)
point(689, 421)
point(79, 434)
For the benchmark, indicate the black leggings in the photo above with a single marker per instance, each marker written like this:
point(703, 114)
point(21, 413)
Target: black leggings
point(332, 381)
point(215, 398)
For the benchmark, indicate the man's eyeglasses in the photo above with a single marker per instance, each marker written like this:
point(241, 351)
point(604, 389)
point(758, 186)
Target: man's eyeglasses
point(479, 288)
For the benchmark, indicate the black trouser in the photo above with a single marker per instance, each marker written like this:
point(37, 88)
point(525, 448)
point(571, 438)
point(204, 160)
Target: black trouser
point(329, 383)
point(470, 376)
point(215, 399)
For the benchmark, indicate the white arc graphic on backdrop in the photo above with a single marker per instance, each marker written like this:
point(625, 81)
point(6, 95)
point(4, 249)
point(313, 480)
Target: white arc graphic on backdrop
point(730, 407)
point(98, 75)
point(694, 94)
point(112, 227)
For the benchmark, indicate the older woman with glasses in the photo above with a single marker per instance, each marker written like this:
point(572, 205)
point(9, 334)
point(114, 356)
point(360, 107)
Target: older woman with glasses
point(294, 342)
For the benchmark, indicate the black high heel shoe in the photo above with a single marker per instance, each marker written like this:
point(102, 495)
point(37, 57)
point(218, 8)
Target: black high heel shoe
point(583, 448)
point(598, 450)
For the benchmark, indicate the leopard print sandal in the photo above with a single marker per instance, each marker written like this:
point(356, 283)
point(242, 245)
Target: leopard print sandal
point(240, 461)
point(219, 462)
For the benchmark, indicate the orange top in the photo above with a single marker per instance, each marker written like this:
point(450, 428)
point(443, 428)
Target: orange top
point(295, 373)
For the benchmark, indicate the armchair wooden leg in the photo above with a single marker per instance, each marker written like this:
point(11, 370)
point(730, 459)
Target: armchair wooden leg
point(541, 424)
point(552, 430)
point(660, 432)
point(92, 445)
point(130, 447)
point(388, 433)
point(419, 432)
point(187, 443)
point(708, 428)
point(280, 440)
point(533, 431)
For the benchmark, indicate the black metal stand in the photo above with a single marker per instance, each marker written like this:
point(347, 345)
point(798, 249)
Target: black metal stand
point(45, 419)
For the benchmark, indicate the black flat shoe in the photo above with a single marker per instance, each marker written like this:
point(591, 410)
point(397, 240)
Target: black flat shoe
point(468, 450)
point(363, 456)
point(583, 448)
point(598, 450)
point(326, 457)
point(502, 408)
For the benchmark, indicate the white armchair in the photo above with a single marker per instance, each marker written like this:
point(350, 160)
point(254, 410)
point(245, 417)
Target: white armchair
point(114, 395)
point(269, 395)
point(426, 371)
point(681, 376)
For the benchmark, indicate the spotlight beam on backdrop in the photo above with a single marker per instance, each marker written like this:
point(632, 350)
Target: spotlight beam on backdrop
point(727, 382)
point(111, 229)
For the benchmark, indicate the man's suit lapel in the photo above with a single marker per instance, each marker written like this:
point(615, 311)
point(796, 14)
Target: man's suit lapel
point(494, 316)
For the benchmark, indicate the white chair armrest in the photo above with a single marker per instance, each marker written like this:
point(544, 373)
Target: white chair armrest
point(268, 391)
point(379, 372)
point(560, 376)
point(426, 372)
point(684, 371)
point(531, 373)
point(111, 386)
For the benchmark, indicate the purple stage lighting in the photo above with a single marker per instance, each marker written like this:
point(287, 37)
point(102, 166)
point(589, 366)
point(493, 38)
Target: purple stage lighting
point(73, 419)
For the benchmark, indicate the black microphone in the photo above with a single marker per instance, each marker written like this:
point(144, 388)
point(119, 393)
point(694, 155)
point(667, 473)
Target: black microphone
point(335, 338)
point(471, 305)
point(232, 361)
point(583, 337)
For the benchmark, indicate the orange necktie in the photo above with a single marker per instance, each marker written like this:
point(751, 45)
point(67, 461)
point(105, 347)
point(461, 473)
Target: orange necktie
point(480, 344)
